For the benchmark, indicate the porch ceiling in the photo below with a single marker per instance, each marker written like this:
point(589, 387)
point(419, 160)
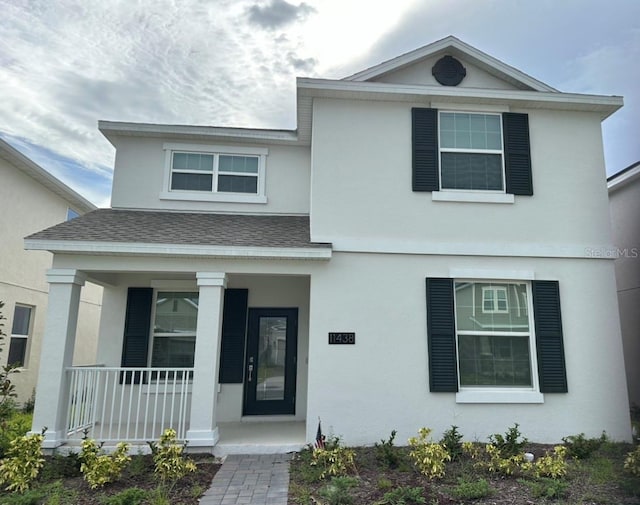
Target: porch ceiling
point(110, 231)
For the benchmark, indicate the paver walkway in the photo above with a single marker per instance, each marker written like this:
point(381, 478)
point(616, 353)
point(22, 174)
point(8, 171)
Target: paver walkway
point(245, 479)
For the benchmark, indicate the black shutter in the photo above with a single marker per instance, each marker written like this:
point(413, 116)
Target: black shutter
point(441, 332)
point(548, 321)
point(135, 347)
point(517, 153)
point(425, 149)
point(234, 329)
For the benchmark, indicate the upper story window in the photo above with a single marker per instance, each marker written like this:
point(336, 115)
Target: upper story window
point(215, 173)
point(471, 152)
point(20, 332)
point(471, 156)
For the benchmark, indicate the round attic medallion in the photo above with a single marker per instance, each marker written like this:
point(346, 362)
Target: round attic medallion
point(448, 71)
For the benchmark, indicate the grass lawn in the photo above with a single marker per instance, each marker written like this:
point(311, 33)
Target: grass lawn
point(386, 475)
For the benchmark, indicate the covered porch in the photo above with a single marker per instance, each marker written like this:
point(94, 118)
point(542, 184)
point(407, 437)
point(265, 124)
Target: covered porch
point(210, 342)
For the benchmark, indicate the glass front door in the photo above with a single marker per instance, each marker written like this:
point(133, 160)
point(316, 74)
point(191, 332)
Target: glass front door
point(270, 369)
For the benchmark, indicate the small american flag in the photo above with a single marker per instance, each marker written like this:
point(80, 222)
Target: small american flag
point(319, 443)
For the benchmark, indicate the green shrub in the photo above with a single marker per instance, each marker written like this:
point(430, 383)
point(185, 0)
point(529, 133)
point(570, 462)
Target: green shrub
point(510, 444)
point(429, 457)
point(404, 495)
point(169, 459)
point(500, 464)
point(14, 426)
point(384, 484)
point(29, 497)
point(452, 441)
point(387, 453)
point(580, 447)
point(61, 467)
point(131, 496)
point(336, 491)
point(551, 489)
point(57, 494)
point(471, 489)
point(336, 462)
point(552, 465)
point(23, 463)
point(632, 462)
point(98, 468)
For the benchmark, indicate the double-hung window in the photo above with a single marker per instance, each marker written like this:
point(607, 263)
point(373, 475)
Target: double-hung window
point(494, 338)
point(215, 173)
point(174, 329)
point(471, 156)
point(20, 331)
point(494, 341)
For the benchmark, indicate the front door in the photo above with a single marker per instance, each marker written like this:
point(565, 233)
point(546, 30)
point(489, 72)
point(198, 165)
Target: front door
point(270, 368)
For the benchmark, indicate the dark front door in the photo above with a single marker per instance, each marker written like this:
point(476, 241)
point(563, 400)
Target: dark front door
point(270, 368)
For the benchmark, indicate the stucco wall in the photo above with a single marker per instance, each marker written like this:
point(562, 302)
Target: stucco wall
point(362, 197)
point(364, 391)
point(625, 215)
point(140, 174)
point(27, 207)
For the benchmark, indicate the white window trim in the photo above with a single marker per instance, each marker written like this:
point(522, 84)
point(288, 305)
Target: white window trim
point(213, 196)
point(465, 194)
point(494, 299)
point(488, 394)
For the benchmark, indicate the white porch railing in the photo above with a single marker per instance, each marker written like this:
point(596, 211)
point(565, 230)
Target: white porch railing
point(128, 404)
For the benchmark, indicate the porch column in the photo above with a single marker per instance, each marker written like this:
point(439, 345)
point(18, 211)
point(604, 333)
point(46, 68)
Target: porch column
point(203, 429)
point(52, 391)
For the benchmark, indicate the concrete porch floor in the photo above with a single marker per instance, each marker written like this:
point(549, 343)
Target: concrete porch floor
point(247, 437)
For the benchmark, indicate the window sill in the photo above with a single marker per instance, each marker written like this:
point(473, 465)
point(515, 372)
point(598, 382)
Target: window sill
point(212, 197)
point(487, 396)
point(471, 196)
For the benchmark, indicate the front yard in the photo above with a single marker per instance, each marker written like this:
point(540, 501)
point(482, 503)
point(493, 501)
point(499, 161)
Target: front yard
point(585, 471)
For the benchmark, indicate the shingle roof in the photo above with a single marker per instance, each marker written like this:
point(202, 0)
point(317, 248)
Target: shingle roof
point(110, 225)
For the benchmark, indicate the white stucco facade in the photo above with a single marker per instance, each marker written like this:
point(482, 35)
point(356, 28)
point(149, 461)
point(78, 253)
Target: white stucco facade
point(624, 198)
point(370, 240)
point(32, 200)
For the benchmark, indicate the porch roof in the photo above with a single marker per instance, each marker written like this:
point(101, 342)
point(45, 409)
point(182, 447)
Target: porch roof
point(124, 231)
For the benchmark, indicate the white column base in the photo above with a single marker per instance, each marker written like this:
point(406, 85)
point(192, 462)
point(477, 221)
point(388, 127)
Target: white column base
point(202, 438)
point(52, 439)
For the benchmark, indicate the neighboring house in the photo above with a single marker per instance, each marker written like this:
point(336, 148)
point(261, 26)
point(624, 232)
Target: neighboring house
point(418, 252)
point(30, 199)
point(624, 204)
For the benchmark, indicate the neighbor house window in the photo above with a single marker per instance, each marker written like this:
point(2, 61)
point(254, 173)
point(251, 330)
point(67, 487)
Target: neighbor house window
point(494, 300)
point(471, 153)
point(220, 173)
point(174, 330)
point(71, 214)
point(494, 336)
point(20, 331)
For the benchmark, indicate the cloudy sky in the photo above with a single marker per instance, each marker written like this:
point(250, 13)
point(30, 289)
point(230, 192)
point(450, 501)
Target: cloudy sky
point(65, 64)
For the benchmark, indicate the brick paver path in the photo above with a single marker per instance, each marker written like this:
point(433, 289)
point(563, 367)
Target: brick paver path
point(250, 480)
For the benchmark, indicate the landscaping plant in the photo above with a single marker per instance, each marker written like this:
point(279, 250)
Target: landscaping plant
point(98, 468)
point(169, 459)
point(581, 447)
point(452, 441)
point(23, 462)
point(338, 461)
point(387, 453)
point(403, 495)
point(336, 491)
point(632, 462)
point(429, 457)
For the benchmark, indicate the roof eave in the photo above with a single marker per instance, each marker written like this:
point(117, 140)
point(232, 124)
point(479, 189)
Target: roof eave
point(327, 88)
point(35, 171)
point(624, 177)
point(111, 129)
point(181, 250)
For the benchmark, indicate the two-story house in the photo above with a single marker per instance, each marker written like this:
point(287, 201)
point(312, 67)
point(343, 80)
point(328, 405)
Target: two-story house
point(421, 251)
point(32, 199)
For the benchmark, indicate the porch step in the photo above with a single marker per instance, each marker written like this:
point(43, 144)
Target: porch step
point(260, 438)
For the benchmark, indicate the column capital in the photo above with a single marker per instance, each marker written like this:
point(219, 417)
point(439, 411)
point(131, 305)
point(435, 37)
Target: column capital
point(66, 276)
point(212, 279)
